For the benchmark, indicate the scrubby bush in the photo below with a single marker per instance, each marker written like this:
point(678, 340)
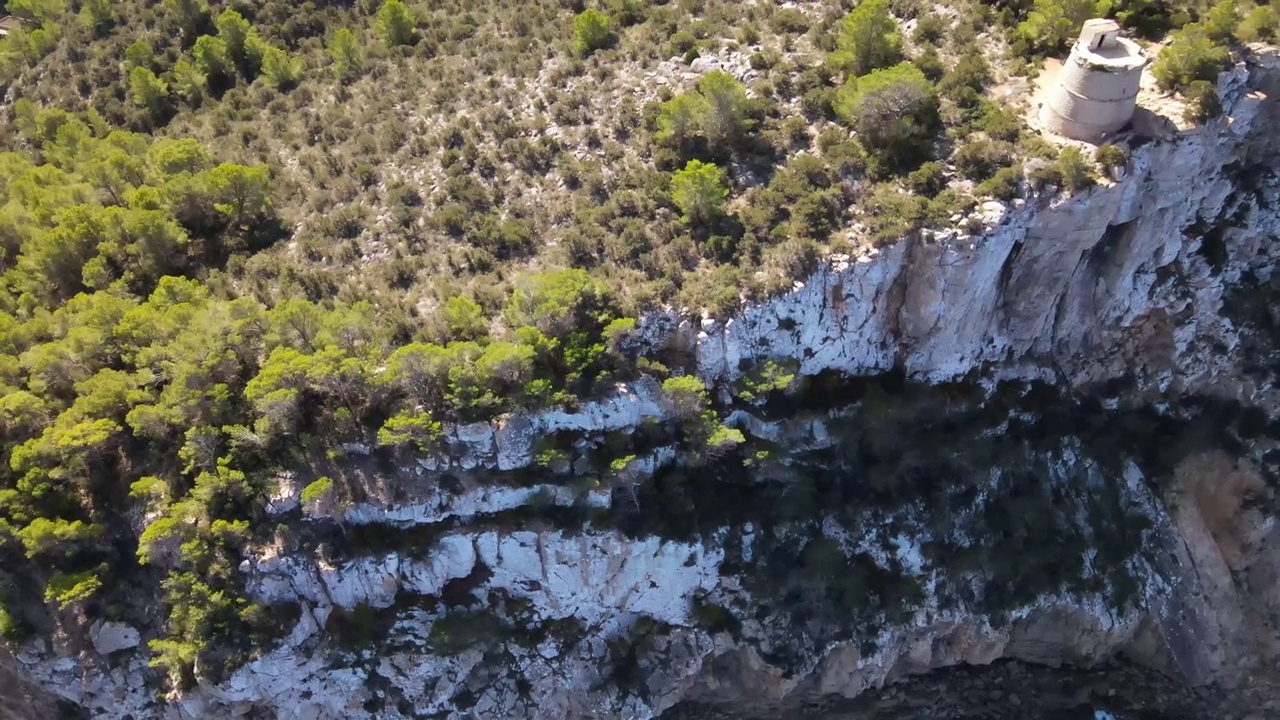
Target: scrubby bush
point(346, 53)
point(1077, 171)
point(930, 64)
point(1003, 184)
point(1260, 25)
point(1041, 175)
point(789, 20)
point(869, 39)
point(715, 112)
point(927, 180)
point(1191, 55)
point(10, 630)
point(892, 214)
point(316, 492)
point(1221, 22)
point(895, 112)
point(1202, 102)
point(981, 159)
point(970, 72)
point(930, 29)
point(592, 30)
point(280, 69)
point(999, 124)
point(626, 12)
point(1052, 24)
point(699, 191)
point(1109, 156)
point(148, 91)
point(725, 119)
point(395, 25)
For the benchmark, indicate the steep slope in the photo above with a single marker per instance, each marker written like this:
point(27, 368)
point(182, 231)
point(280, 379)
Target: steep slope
point(1002, 453)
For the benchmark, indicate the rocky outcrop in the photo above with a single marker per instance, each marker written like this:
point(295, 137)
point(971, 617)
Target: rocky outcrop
point(110, 637)
point(483, 611)
point(1125, 277)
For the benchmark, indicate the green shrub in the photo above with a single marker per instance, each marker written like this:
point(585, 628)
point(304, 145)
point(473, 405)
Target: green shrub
point(1003, 184)
point(1043, 175)
point(1109, 156)
point(682, 42)
point(715, 111)
point(1077, 171)
point(317, 492)
point(699, 191)
point(927, 180)
point(65, 590)
point(10, 630)
point(789, 21)
point(1202, 103)
point(1052, 24)
point(930, 64)
point(981, 159)
point(412, 429)
point(768, 377)
point(869, 39)
point(346, 53)
point(722, 439)
point(592, 30)
point(946, 205)
point(930, 29)
point(685, 396)
point(280, 69)
point(626, 12)
point(1221, 22)
point(725, 118)
point(1000, 124)
point(895, 112)
point(395, 25)
point(1191, 55)
point(970, 72)
point(892, 214)
point(148, 91)
point(1260, 25)
point(98, 16)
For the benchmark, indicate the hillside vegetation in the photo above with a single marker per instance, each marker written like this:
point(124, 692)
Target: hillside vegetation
point(238, 237)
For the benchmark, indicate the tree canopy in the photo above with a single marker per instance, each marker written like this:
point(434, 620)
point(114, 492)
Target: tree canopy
point(1053, 24)
point(1191, 55)
point(699, 191)
point(715, 112)
point(869, 39)
point(592, 30)
point(894, 110)
point(395, 24)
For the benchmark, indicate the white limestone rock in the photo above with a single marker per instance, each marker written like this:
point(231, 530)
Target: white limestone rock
point(109, 637)
point(1085, 280)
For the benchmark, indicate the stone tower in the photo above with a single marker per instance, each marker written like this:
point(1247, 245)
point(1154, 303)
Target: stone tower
point(1097, 91)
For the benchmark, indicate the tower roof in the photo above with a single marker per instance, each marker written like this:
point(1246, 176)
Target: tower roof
point(1101, 46)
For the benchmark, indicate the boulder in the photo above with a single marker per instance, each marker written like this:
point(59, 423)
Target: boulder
point(109, 637)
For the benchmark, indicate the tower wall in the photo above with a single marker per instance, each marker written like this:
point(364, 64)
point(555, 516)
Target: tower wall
point(1096, 92)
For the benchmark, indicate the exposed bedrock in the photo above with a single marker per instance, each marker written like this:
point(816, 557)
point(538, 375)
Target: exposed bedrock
point(1075, 460)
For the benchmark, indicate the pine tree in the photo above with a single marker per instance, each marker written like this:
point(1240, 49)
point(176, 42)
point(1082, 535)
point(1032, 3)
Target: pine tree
point(395, 24)
point(346, 53)
point(699, 191)
point(869, 39)
point(592, 30)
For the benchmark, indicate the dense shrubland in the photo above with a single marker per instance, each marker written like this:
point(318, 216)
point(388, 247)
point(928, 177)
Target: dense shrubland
point(239, 237)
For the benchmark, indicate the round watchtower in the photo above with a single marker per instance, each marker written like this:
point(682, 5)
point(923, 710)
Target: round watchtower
point(1097, 90)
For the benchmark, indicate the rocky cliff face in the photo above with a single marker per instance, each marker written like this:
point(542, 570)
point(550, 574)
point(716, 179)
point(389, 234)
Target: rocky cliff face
point(1055, 496)
point(1126, 278)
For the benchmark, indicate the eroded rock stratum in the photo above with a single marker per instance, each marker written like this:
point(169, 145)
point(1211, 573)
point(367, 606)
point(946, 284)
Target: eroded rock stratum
point(1054, 441)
